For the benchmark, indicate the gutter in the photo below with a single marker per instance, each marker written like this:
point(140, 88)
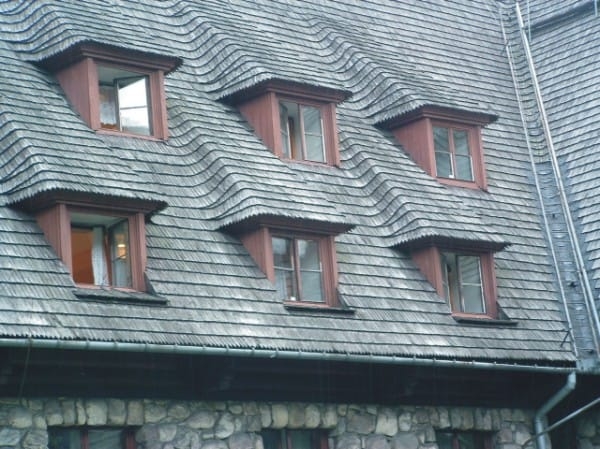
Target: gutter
point(272, 354)
point(538, 420)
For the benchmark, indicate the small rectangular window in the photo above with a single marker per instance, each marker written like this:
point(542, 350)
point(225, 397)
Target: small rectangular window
point(124, 101)
point(462, 282)
point(88, 438)
point(100, 250)
point(452, 153)
point(294, 439)
point(301, 132)
point(298, 270)
point(463, 440)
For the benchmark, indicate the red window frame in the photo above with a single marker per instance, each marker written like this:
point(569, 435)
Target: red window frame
point(259, 245)
point(55, 222)
point(262, 112)
point(295, 153)
point(429, 261)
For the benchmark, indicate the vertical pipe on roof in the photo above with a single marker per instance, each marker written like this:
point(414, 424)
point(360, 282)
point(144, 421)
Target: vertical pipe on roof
point(547, 229)
point(540, 415)
point(571, 230)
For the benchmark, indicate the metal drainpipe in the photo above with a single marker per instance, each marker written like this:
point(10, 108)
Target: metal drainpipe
point(538, 420)
point(571, 230)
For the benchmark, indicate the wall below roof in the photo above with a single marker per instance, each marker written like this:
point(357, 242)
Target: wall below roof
point(164, 424)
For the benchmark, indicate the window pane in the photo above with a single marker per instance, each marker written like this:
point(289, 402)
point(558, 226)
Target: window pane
point(463, 168)
point(282, 252)
point(467, 441)
point(271, 439)
point(64, 438)
point(108, 107)
point(285, 132)
point(312, 286)
point(104, 439)
point(444, 440)
point(443, 165)
point(292, 117)
point(440, 139)
point(313, 134)
point(461, 143)
point(300, 439)
point(453, 285)
point(285, 279)
point(133, 108)
point(120, 254)
point(472, 293)
point(469, 269)
point(308, 254)
point(81, 255)
point(473, 299)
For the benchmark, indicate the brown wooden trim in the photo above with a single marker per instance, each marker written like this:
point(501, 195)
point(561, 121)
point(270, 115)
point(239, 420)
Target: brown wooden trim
point(56, 225)
point(137, 248)
point(77, 81)
point(258, 244)
point(428, 260)
point(417, 139)
point(440, 113)
point(262, 113)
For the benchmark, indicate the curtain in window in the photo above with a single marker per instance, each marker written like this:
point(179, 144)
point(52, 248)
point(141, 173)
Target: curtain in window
point(99, 257)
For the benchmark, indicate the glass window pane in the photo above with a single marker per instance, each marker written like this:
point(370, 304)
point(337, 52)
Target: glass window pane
point(271, 439)
point(469, 270)
point(444, 440)
point(104, 439)
point(285, 284)
point(300, 439)
point(81, 255)
point(312, 286)
point(285, 132)
point(467, 441)
point(64, 438)
point(440, 139)
point(308, 254)
point(443, 165)
point(473, 299)
point(120, 254)
point(282, 252)
point(461, 142)
point(133, 105)
point(463, 168)
point(313, 134)
point(108, 107)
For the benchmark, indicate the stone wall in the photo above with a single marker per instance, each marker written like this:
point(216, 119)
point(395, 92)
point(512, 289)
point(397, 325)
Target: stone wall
point(233, 425)
point(588, 430)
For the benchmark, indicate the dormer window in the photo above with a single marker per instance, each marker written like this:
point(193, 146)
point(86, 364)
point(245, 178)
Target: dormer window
point(301, 132)
point(463, 277)
point(447, 144)
point(297, 123)
point(101, 246)
point(124, 104)
point(115, 90)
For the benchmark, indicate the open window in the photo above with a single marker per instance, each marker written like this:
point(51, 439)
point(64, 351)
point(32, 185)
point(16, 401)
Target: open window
point(100, 247)
point(296, 122)
point(453, 152)
point(301, 265)
point(464, 278)
point(115, 90)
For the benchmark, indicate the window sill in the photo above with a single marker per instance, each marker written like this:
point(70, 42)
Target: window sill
point(95, 293)
point(460, 183)
point(110, 132)
point(483, 320)
point(316, 307)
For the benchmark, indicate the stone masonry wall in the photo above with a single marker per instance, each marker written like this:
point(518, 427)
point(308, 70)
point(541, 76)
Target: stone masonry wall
point(588, 430)
point(233, 425)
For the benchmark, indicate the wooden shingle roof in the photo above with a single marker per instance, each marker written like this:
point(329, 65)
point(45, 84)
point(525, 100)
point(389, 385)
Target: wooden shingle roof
point(213, 171)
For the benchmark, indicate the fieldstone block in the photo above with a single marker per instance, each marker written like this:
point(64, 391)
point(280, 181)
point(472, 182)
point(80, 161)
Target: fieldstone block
point(280, 416)
point(421, 416)
point(236, 408)
point(53, 413)
point(585, 444)
point(35, 439)
point(39, 422)
point(483, 419)
point(251, 408)
point(505, 436)
point(265, 415)
point(519, 416)
point(20, 418)
point(225, 426)
point(348, 441)
point(238, 423)
point(202, 419)
point(146, 435)
point(444, 418)
point(188, 440)
point(377, 442)
point(68, 412)
point(387, 422)
point(241, 441)
point(214, 444)
point(362, 423)
point(179, 412)
point(342, 410)
point(166, 432)
point(405, 440)
point(456, 418)
point(296, 416)
point(117, 413)
point(434, 416)
point(405, 421)
point(521, 434)
point(586, 428)
point(329, 418)
point(35, 405)
point(312, 416)
point(135, 413)
point(154, 412)
point(96, 412)
point(80, 413)
point(9, 437)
